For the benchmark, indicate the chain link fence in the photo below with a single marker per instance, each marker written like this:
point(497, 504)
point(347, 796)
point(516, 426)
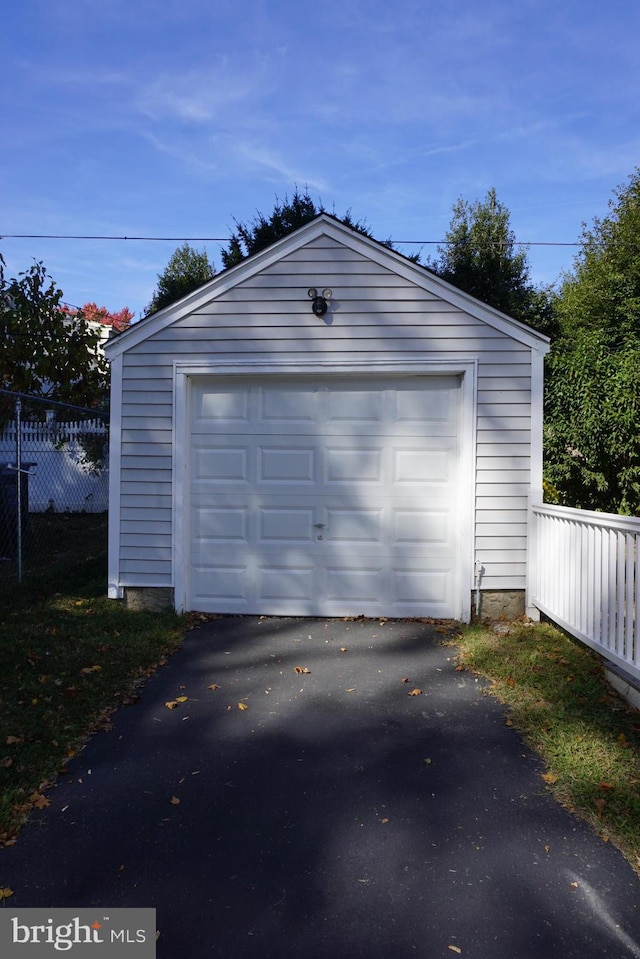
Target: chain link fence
point(53, 483)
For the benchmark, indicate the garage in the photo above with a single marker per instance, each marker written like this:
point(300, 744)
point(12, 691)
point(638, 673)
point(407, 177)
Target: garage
point(325, 496)
point(373, 457)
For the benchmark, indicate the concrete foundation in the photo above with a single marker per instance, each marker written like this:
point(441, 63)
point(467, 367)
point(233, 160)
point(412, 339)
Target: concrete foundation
point(503, 605)
point(628, 686)
point(496, 605)
point(153, 598)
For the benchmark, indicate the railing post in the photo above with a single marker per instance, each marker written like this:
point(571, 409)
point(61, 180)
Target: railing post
point(19, 488)
point(534, 498)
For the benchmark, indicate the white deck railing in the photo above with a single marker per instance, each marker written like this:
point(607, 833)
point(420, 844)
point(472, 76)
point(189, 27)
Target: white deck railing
point(584, 575)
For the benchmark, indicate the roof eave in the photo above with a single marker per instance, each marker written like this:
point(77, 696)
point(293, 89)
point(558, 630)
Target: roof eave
point(327, 225)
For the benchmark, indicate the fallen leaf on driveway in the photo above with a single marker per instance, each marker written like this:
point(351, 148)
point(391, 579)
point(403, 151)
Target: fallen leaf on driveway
point(415, 692)
point(343, 649)
point(455, 949)
point(172, 704)
point(301, 670)
point(5, 892)
point(181, 699)
point(242, 706)
point(405, 679)
point(213, 686)
point(174, 801)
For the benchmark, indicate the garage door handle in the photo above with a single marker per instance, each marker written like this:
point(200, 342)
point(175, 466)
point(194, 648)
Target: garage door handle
point(318, 525)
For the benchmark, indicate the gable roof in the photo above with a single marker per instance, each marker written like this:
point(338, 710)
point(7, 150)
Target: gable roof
point(329, 226)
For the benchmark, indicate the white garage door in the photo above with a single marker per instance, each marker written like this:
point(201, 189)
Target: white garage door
point(325, 496)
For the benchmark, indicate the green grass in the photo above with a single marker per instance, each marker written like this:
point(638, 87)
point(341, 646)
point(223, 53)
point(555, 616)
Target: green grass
point(68, 657)
point(561, 704)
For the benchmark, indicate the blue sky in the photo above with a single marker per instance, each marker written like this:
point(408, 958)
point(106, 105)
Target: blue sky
point(173, 117)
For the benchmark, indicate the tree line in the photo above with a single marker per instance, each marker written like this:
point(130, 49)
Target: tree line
point(592, 316)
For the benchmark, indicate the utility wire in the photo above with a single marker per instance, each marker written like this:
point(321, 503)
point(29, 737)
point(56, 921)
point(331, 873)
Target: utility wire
point(227, 239)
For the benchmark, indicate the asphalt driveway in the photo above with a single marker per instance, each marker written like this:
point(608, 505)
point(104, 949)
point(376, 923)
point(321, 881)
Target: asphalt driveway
point(326, 789)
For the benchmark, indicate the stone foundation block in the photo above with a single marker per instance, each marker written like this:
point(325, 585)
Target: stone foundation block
point(503, 605)
point(153, 598)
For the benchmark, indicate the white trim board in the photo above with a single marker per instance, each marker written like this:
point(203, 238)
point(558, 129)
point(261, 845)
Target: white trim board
point(114, 589)
point(183, 371)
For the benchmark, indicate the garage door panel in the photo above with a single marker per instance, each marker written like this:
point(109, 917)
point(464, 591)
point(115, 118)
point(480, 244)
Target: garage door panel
point(422, 586)
point(221, 408)
point(364, 464)
point(293, 583)
point(222, 464)
point(224, 583)
point(285, 524)
point(430, 392)
point(350, 409)
point(289, 464)
point(334, 498)
point(419, 465)
point(348, 585)
point(336, 460)
point(422, 527)
point(222, 524)
point(281, 407)
point(353, 525)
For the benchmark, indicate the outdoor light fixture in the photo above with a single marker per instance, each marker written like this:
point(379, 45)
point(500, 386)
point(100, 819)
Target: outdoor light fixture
point(319, 305)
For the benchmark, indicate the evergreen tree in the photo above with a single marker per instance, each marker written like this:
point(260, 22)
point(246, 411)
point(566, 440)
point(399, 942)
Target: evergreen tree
point(185, 272)
point(482, 258)
point(288, 215)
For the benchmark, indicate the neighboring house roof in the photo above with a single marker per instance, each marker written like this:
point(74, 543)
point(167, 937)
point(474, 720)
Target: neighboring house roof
point(330, 226)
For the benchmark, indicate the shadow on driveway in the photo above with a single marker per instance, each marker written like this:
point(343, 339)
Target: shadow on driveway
point(335, 816)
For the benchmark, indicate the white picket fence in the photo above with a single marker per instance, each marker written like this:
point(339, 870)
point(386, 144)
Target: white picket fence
point(584, 575)
point(60, 477)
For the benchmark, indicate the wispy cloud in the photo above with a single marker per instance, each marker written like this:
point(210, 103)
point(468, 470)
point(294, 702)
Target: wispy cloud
point(197, 156)
point(591, 160)
point(271, 161)
point(394, 110)
point(202, 95)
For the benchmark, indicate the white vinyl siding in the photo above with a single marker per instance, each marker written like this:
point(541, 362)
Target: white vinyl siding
point(146, 474)
point(375, 314)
